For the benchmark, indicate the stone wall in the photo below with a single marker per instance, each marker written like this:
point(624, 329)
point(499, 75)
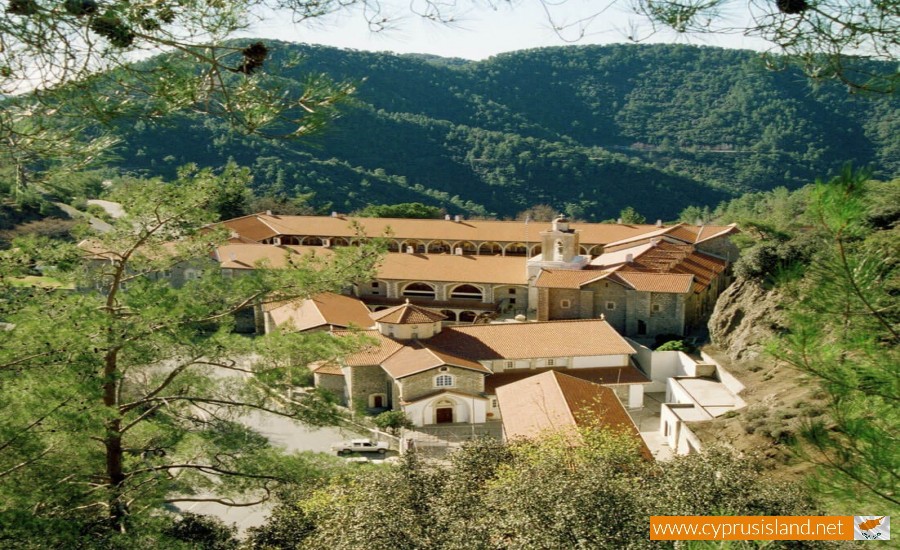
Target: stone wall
point(721, 247)
point(333, 383)
point(417, 385)
point(606, 293)
point(557, 296)
point(368, 380)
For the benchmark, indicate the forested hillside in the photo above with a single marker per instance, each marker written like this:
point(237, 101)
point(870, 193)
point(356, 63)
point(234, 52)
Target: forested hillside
point(587, 129)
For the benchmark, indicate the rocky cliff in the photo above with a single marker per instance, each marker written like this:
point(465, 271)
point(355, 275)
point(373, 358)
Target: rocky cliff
point(746, 317)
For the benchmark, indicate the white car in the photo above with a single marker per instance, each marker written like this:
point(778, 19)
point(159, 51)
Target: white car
point(360, 446)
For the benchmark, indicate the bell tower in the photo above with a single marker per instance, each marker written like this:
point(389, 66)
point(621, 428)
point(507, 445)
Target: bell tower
point(559, 243)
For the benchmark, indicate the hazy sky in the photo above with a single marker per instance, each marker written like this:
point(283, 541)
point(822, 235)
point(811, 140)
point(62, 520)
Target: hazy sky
point(481, 32)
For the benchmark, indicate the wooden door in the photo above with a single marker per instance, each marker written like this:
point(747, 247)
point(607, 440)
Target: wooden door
point(444, 415)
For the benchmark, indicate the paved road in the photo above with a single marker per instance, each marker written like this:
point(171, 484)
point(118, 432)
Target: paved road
point(289, 435)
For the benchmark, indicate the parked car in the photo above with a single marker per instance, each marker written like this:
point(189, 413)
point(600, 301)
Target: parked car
point(360, 446)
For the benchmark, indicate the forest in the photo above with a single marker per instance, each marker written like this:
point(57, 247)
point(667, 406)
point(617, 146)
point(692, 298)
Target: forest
point(586, 129)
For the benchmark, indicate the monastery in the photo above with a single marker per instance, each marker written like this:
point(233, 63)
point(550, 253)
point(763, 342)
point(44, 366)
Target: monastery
point(644, 279)
point(439, 374)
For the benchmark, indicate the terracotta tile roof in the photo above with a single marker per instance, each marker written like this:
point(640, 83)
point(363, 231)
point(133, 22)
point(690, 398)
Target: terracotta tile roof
point(529, 340)
point(707, 232)
point(393, 266)
point(248, 256)
point(261, 226)
point(321, 310)
point(251, 227)
point(616, 256)
point(607, 376)
point(372, 354)
point(676, 261)
point(407, 314)
point(691, 234)
point(411, 360)
point(552, 401)
point(562, 278)
point(328, 368)
point(678, 283)
point(450, 268)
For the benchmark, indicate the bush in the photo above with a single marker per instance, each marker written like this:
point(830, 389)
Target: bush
point(393, 421)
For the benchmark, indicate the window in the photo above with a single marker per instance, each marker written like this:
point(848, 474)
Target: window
point(551, 362)
point(656, 308)
point(167, 274)
point(512, 300)
point(610, 305)
point(494, 403)
point(443, 381)
point(508, 365)
point(565, 304)
point(376, 284)
point(444, 369)
point(512, 291)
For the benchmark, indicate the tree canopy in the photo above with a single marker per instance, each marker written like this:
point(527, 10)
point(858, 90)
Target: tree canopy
point(127, 393)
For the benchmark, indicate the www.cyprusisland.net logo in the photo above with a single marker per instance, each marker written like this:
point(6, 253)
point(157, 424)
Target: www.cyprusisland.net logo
point(871, 527)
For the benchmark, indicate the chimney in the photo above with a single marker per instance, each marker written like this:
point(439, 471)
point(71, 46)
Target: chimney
point(619, 221)
point(447, 217)
point(658, 223)
point(457, 218)
point(654, 241)
point(458, 251)
point(629, 258)
point(268, 212)
point(334, 214)
point(410, 250)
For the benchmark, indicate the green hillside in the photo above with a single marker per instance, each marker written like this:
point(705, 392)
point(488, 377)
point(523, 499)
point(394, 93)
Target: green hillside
point(587, 129)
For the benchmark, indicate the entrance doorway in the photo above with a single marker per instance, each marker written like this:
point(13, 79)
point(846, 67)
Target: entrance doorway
point(378, 402)
point(444, 415)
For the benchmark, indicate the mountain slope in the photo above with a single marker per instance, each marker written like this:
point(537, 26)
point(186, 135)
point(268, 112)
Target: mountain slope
point(587, 129)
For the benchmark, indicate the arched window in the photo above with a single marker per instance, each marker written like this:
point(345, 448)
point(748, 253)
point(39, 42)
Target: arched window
point(559, 250)
point(467, 292)
point(418, 290)
point(467, 316)
point(443, 381)
point(516, 249)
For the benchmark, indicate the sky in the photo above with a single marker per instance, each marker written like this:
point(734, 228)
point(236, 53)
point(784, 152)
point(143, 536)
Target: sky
point(481, 32)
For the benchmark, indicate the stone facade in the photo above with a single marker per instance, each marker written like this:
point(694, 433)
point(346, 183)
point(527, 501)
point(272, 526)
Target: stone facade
point(365, 382)
point(334, 384)
point(423, 383)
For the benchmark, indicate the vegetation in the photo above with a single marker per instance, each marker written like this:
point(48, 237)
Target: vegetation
point(673, 125)
point(128, 394)
point(534, 494)
point(831, 249)
point(402, 210)
point(393, 421)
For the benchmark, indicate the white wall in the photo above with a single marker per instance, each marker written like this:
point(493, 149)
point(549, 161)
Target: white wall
point(470, 410)
point(599, 361)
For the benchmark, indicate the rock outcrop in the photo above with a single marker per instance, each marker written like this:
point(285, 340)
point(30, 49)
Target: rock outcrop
point(746, 317)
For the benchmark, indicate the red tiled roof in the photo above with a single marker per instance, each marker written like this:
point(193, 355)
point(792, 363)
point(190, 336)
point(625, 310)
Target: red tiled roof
point(657, 282)
point(579, 338)
point(322, 309)
point(371, 354)
point(407, 314)
point(262, 226)
point(553, 401)
point(563, 278)
point(607, 376)
point(411, 360)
